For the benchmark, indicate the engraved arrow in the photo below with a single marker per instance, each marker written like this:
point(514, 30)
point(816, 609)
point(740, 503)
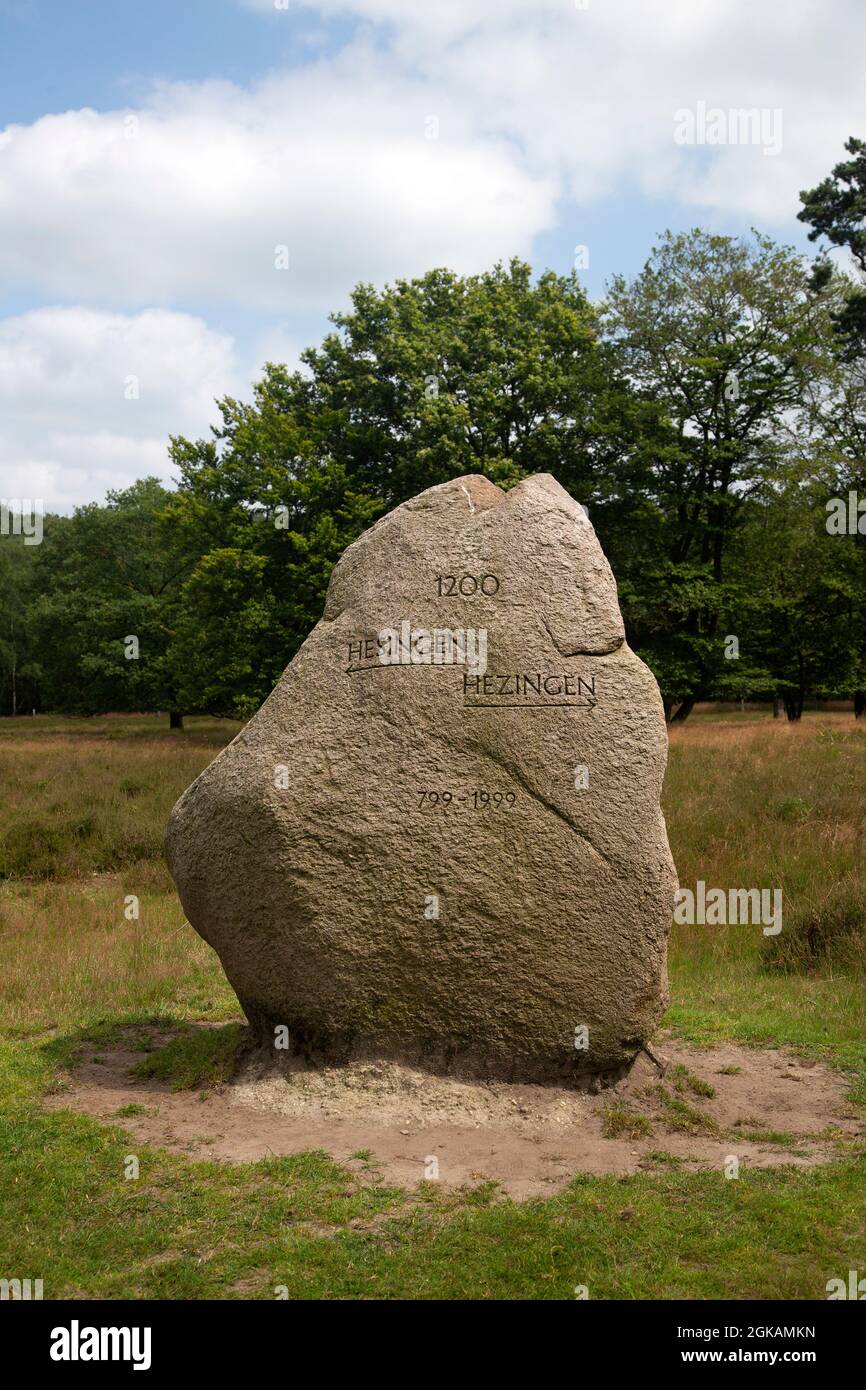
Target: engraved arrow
point(589, 702)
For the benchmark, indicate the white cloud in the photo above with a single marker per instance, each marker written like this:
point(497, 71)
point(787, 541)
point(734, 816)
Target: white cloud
point(188, 199)
point(184, 201)
point(587, 95)
point(72, 426)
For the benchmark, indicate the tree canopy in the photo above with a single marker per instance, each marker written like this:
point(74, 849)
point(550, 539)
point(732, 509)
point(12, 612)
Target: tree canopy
point(706, 413)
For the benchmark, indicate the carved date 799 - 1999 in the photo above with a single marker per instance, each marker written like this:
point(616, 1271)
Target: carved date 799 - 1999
point(478, 800)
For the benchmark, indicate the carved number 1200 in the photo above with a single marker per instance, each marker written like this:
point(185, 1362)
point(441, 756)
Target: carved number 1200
point(467, 584)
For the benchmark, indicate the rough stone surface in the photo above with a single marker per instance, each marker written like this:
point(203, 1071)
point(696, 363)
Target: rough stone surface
point(312, 854)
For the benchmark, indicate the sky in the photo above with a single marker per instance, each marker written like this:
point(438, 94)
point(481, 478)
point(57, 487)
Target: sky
point(188, 188)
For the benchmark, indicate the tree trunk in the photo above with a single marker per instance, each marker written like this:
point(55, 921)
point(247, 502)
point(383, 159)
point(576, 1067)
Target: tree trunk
point(668, 706)
point(175, 720)
point(778, 706)
point(859, 703)
point(685, 709)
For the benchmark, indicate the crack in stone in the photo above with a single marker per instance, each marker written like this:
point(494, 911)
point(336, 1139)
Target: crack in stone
point(548, 805)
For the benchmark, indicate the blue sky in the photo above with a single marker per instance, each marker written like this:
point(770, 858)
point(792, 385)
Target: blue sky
point(57, 56)
point(155, 158)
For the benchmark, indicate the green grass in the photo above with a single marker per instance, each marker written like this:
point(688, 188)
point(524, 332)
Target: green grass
point(201, 1058)
point(684, 1080)
point(201, 1230)
point(748, 804)
point(620, 1122)
point(719, 994)
point(679, 1116)
point(727, 799)
point(778, 1137)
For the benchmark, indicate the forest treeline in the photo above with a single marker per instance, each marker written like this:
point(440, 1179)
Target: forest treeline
point(710, 413)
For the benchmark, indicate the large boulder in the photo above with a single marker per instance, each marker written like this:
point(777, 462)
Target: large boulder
point(440, 839)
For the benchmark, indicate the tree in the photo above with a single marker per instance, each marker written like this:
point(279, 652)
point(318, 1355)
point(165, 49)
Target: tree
point(260, 527)
point(19, 669)
point(697, 410)
point(836, 209)
point(108, 588)
point(422, 381)
point(444, 375)
point(725, 335)
point(802, 612)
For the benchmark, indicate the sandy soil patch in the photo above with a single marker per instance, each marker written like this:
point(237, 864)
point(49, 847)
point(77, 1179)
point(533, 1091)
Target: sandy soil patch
point(532, 1140)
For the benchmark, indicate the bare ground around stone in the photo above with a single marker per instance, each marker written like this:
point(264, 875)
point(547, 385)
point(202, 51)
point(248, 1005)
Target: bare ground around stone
point(389, 1121)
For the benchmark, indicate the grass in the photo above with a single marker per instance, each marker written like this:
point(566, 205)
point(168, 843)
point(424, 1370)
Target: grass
point(684, 1080)
point(778, 1137)
point(84, 797)
point(662, 1157)
point(69, 957)
point(749, 803)
point(200, 1058)
point(198, 1230)
point(621, 1123)
point(727, 799)
point(679, 1116)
